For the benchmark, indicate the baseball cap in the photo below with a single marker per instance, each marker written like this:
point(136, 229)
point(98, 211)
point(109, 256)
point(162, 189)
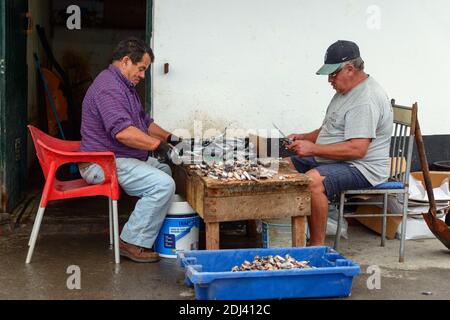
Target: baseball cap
point(339, 52)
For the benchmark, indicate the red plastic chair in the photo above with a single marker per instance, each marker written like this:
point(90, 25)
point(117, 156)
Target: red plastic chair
point(52, 153)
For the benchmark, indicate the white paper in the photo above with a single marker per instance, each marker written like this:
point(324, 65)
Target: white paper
point(416, 229)
point(417, 191)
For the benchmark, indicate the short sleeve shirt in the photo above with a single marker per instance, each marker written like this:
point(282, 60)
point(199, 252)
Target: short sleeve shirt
point(363, 112)
point(111, 105)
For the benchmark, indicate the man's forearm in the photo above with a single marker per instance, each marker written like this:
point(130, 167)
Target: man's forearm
point(341, 151)
point(156, 131)
point(135, 138)
point(311, 136)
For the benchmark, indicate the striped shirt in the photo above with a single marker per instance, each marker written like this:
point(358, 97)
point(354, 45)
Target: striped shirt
point(112, 104)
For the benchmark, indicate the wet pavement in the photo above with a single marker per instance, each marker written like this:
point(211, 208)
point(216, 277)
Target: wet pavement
point(74, 233)
point(47, 276)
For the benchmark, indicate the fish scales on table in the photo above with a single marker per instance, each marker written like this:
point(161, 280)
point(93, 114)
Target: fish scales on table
point(236, 170)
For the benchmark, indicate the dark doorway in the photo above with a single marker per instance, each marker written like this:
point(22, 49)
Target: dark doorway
point(103, 24)
point(13, 101)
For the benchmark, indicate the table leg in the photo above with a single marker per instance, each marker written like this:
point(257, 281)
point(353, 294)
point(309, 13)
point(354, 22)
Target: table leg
point(298, 231)
point(212, 235)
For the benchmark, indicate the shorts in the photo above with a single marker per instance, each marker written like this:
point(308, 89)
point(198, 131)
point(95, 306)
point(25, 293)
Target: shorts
point(339, 176)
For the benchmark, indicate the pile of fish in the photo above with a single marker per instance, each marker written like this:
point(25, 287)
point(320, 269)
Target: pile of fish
point(272, 263)
point(235, 170)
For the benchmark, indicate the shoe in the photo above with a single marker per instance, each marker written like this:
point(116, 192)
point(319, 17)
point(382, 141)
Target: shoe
point(136, 253)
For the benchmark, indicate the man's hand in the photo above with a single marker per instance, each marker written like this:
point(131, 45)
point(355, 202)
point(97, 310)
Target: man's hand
point(295, 137)
point(173, 139)
point(302, 148)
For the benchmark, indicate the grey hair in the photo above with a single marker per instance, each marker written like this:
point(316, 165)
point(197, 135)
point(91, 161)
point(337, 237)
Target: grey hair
point(357, 63)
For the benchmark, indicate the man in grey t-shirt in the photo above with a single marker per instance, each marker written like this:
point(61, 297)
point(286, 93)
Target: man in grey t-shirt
point(351, 148)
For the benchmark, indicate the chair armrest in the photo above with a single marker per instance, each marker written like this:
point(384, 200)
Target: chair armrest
point(106, 160)
point(62, 145)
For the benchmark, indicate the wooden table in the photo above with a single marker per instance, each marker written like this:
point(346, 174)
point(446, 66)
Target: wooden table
point(218, 201)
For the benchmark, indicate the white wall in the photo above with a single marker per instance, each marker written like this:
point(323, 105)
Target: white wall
point(254, 61)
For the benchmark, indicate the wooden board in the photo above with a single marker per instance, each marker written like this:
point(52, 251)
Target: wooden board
point(219, 201)
point(266, 206)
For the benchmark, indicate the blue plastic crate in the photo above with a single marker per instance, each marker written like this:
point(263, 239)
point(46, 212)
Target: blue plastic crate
point(209, 273)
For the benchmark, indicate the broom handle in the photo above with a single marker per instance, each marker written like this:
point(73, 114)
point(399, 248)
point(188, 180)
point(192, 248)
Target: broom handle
point(424, 165)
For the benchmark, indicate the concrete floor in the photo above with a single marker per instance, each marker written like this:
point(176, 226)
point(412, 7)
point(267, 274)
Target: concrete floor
point(74, 232)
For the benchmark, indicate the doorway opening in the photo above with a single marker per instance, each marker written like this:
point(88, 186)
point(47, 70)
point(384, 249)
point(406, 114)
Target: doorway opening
point(70, 58)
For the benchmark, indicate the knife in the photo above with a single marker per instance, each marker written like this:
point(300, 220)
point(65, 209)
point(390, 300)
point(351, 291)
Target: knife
point(283, 136)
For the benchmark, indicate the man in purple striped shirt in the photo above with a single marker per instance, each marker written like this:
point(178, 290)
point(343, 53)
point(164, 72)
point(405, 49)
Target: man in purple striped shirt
point(113, 119)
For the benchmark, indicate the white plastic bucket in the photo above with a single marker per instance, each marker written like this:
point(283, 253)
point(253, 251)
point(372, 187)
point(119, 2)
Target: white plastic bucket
point(179, 231)
point(276, 233)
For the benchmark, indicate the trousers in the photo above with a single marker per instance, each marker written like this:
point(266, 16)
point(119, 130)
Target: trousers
point(149, 180)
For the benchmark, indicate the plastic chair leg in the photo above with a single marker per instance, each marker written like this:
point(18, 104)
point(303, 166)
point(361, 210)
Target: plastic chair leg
point(110, 224)
point(116, 231)
point(34, 233)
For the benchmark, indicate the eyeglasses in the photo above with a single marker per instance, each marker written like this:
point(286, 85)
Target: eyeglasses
point(334, 74)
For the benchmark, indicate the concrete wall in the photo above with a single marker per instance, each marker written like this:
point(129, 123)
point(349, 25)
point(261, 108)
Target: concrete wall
point(254, 61)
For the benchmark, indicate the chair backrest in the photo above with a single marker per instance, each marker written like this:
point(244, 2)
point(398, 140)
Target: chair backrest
point(52, 142)
point(402, 141)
